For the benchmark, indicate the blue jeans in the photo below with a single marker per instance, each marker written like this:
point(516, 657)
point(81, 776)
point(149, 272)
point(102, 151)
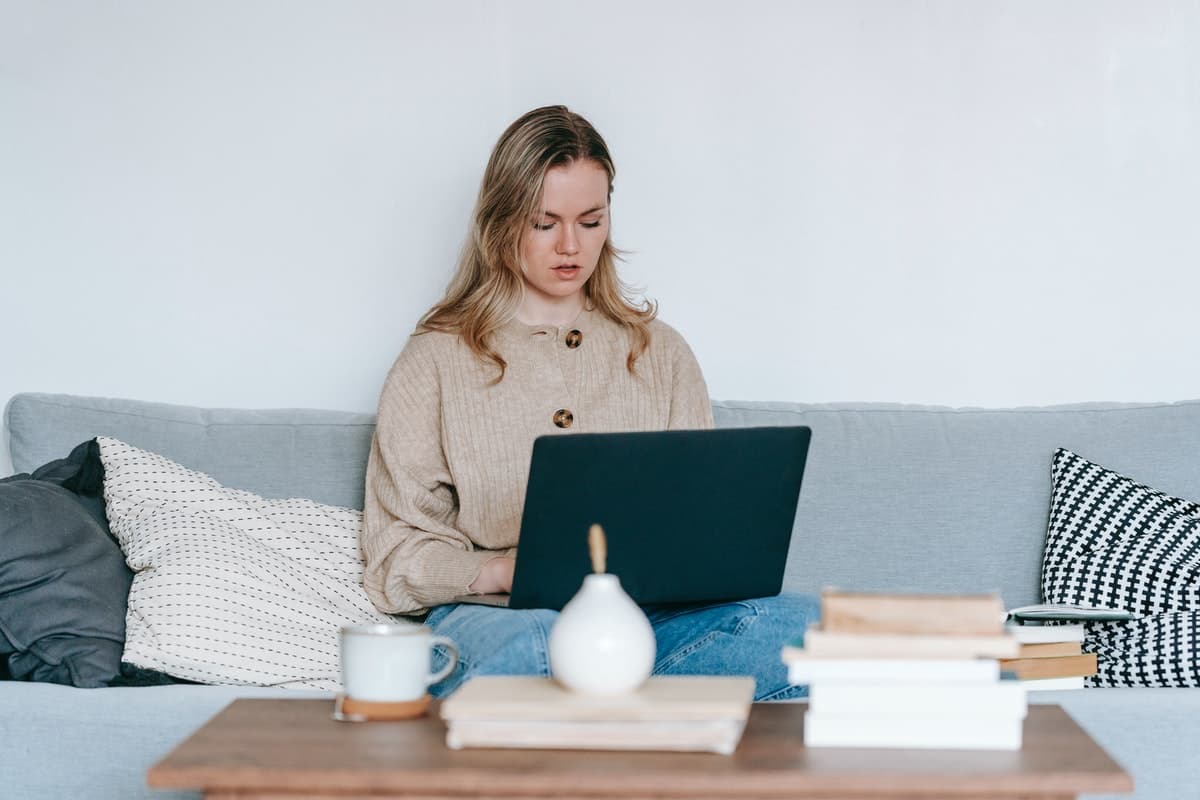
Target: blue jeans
point(739, 638)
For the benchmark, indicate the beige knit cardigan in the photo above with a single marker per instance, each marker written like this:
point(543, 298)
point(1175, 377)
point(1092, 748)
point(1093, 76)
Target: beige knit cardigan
point(450, 457)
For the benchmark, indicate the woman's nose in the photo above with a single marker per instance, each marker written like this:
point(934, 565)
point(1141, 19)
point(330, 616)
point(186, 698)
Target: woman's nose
point(568, 244)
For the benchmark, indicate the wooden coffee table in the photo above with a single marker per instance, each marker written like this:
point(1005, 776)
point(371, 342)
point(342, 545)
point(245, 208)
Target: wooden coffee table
point(292, 748)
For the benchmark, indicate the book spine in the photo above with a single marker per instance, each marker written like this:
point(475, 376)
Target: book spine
point(1050, 649)
point(715, 737)
point(820, 643)
point(847, 612)
point(1004, 699)
point(1040, 634)
point(664, 698)
point(1060, 667)
point(976, 733)
point(893, 671)
point(1053, 684)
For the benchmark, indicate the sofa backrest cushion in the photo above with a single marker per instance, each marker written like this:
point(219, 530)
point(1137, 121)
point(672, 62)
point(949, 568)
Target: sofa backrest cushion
point(319, 455)
point(895, 497)
point(923, 498)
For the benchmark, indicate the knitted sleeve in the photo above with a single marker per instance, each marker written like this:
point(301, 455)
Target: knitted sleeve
point(415, 557)
point(691, 407)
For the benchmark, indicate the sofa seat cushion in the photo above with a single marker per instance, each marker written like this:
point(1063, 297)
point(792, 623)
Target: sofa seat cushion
point(230, 588)
point(1151, 733)
point(64, 742)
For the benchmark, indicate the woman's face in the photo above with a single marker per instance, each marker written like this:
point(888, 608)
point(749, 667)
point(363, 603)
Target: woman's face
point(562, 243)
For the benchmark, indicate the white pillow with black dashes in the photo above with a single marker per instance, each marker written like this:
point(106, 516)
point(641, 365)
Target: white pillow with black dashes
point(229, 587)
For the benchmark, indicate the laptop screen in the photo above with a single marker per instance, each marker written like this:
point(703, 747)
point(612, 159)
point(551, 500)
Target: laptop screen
point(690, 516)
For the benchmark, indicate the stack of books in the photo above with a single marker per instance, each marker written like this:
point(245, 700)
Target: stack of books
point(909, 671)
point(703, 713)
point(1051, 638)
point(1051, 657)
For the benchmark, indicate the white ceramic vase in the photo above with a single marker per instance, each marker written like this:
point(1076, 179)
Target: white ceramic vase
point(602, 642)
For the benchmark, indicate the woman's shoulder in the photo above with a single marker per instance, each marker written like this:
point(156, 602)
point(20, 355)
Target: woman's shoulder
point(423, 352)
point(432, 342)
point(664, 329)
point(662, 335)
point(666, 338)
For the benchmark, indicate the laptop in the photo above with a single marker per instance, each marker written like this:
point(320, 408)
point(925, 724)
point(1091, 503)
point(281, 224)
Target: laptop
point(690, 516)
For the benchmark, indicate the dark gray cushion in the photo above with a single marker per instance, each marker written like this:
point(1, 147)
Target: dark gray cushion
point(63, 579)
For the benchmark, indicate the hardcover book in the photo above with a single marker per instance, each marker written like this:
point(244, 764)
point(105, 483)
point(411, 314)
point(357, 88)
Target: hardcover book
point(921, 614)
point(896, 673)
point(1053, 684)
point(713, 736)
point(950, 733)
point(820, 643)
point(705, 713)
point(999, 699)
point(1041, 634)
point(1050, 649)
point(1053, 667)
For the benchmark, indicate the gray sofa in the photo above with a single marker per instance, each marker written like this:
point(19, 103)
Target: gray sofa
point(895, 497)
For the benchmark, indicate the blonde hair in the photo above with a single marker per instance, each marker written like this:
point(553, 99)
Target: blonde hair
point(487, 287)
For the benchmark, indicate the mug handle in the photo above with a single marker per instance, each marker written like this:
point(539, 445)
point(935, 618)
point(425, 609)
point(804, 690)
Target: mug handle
point(446, 670)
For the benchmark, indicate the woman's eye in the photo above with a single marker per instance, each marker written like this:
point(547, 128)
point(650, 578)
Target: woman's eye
point(545, 226)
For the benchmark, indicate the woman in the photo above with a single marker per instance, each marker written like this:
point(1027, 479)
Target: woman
point(535, 336)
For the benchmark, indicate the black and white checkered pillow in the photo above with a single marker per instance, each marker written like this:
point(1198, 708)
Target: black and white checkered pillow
point(1114, 542)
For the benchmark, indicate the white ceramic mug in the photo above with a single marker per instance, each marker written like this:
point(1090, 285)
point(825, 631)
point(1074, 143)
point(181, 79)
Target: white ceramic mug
point(391, 663)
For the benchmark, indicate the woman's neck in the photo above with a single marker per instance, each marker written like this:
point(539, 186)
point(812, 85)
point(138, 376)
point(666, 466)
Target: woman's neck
point(557, 311)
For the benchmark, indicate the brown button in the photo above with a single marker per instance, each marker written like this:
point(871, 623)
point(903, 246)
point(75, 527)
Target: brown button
point(574, 338)
point(563, 418)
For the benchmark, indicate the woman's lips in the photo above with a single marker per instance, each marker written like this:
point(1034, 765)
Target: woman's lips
point(566, 273)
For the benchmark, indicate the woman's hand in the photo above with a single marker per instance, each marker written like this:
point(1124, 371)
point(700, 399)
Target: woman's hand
point(495, 577)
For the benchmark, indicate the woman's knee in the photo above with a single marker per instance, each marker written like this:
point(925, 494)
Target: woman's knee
point(785, 615)
point(791, 607)
point(498, 641)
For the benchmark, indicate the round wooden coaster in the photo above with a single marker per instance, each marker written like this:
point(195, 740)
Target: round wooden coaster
point(349, 709)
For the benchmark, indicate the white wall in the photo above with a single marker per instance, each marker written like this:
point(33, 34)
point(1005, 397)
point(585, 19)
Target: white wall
point(249, 203)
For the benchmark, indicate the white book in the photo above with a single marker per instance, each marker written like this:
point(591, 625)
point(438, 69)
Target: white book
point(714, 736)
point(819, 643)
point(1004, 699)
point(904, 732)
point(1039, 634)
point(1053, 684)
point(893, 670)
